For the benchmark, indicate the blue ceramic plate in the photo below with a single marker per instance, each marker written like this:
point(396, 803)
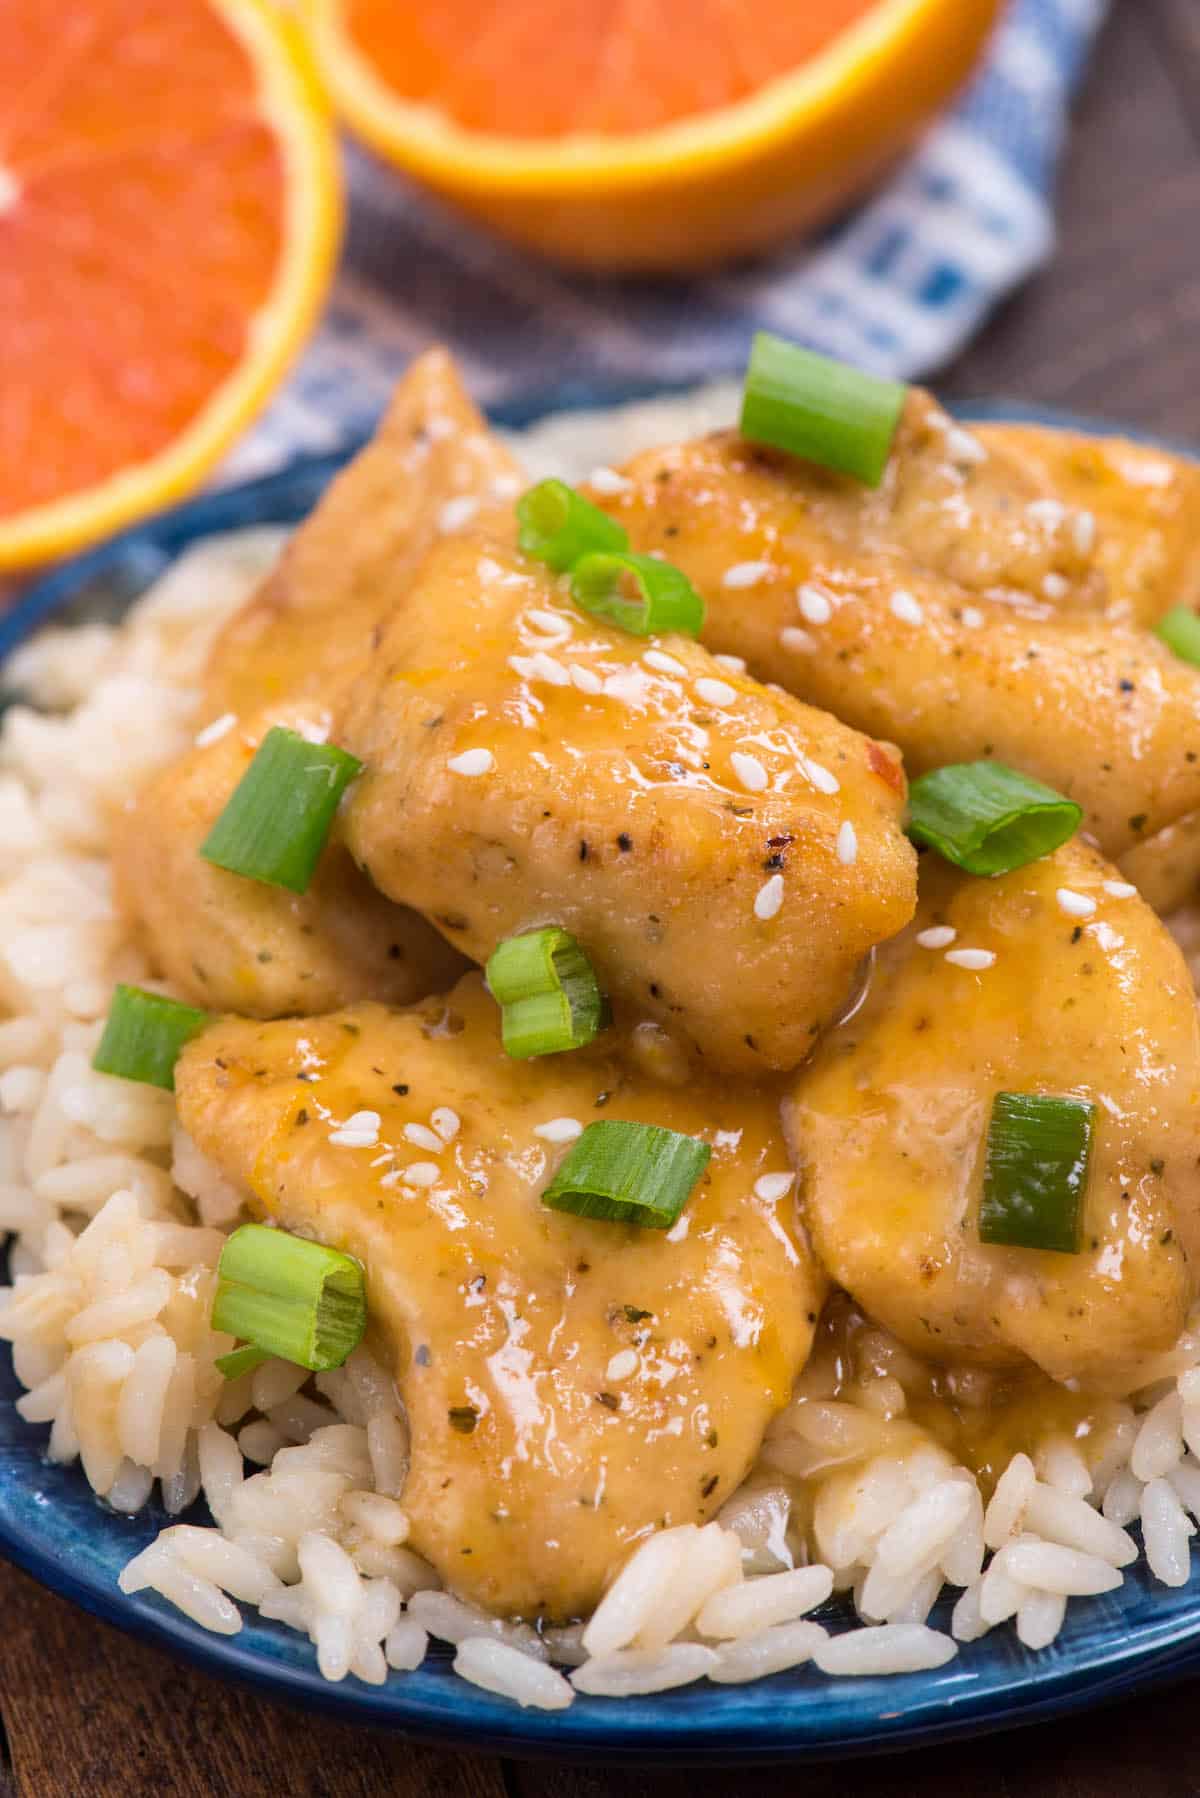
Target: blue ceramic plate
point(51, 1525)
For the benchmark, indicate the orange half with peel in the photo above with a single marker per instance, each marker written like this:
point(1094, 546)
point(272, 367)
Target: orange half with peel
point(169, 216)
point(645, 134)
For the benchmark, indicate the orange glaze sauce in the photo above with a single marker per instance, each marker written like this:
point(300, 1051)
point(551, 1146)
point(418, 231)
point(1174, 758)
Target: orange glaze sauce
point(981, 1416)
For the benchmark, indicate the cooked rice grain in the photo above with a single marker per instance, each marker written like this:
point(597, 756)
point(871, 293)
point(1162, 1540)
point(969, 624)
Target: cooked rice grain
point(503, 1670)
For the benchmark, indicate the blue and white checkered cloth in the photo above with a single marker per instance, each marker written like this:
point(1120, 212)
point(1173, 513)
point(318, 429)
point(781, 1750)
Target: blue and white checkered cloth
point(898, 286)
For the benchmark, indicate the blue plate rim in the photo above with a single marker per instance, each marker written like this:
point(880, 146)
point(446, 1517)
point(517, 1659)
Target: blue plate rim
point(771, 1721)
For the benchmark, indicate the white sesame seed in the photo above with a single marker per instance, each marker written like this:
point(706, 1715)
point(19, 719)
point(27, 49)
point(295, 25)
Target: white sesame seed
point(212, 733)
point(715, 692)
point(972, 617)
point(1076, 905)
point(1119, 889)
point(1083, 532)
point(679, 1230)
point(749, 771)
point(472, 761)
point(607, 480)
point(364, 1120)
point(553, 672)
point(847, 844)
point(623, 1363)
point(422, 1137)
point(585, 679)
point(627, 684)
point(559, 1130)
point(773, 1186)
point(821, 778)
point(540, 666)
point(906, 608)
point(796, 641)
point(506, 486)
point(447, 1123)
point(769, 898)
point(974, 959)
point(421, 1173)
point(361, 1131)
point(1056, 586)
point(963, 447)
point(457, 512)
point(659, 660)
point(814, 605)
point(938, 936)
point(551, 624)
point(1050, 512)
point(733, 664)
point(746, 574)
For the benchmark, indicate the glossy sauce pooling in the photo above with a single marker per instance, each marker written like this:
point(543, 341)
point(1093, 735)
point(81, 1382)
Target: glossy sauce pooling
point(980, 1416)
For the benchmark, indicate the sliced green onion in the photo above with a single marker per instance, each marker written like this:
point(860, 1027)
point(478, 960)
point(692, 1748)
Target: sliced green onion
point(629, 1173)
point(825, 411)
point(144, 1036)
point(558, 526)
point(275, 823)
point(240, 1361)
point(289, 1297)
point(1035, 1172)
point(987, 818)
point(639, 594)
point(548, 990)
point(1180, 631)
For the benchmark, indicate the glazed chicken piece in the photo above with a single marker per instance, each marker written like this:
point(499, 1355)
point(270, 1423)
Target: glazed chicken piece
point(1166, 867)
point(233, 944)
point(1013, 512)
point(725, 855)
point(844, 611)
point(570, 1383)
point(430, 467)
point(1131, 508)
point(1087, 997)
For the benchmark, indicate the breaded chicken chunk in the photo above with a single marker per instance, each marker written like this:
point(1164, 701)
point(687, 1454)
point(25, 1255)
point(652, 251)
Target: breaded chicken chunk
point(1055, 979)
point(725, 855)
point(961, 611)
point(233, 944)
point(571, 1383)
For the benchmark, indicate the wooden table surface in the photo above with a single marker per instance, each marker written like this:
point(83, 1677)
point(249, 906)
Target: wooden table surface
point(1112, 327)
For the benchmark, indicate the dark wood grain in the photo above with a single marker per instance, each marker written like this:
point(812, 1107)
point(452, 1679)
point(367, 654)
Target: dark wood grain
point(1147, 1750)
point(1112, 326)
point(91, 1714)
point(1176, 24)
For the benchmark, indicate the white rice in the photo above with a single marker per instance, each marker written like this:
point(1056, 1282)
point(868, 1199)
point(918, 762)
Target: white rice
point(749, 1606)
point(498, 1668)
point(773, 1650)
point(892, 1648)
point(117, 1221)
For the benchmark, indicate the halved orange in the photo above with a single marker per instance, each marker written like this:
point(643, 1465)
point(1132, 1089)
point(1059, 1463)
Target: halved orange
point(169, 216)
point(645, 134)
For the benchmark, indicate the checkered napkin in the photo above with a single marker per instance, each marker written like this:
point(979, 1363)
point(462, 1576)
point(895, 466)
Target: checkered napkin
point(897, 286)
